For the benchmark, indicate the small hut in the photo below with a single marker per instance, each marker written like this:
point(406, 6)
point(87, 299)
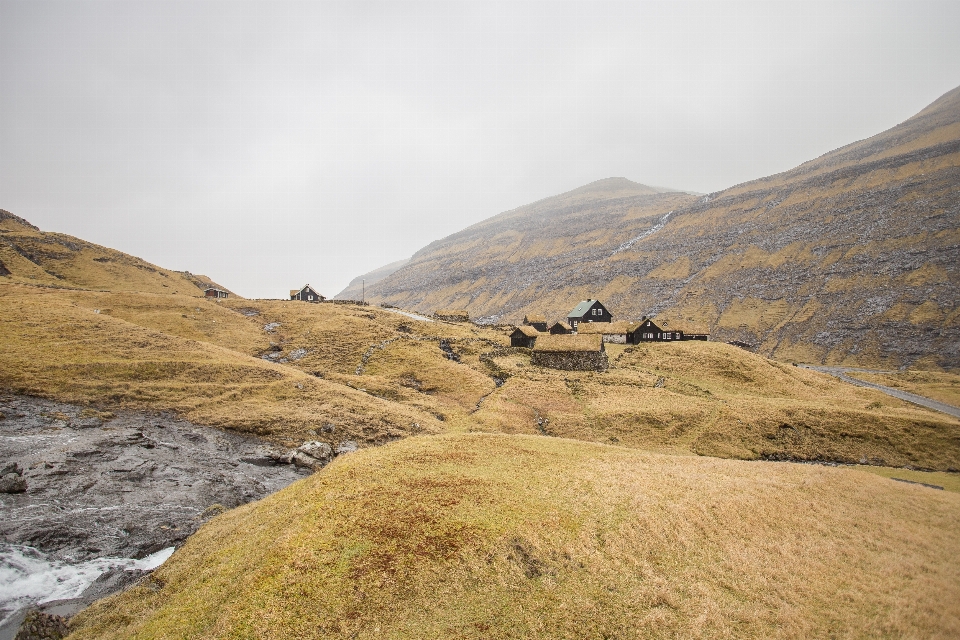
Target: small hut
point(537, 321)
point(560, 329)
point(307, 294)
point(570, 353)
point(213, 292)
point(524, 337)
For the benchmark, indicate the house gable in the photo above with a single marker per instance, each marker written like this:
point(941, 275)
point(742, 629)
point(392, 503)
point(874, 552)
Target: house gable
point(589, 311)
point(307, 294)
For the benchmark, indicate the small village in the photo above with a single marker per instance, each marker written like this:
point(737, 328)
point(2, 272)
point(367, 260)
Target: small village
point(574, 344)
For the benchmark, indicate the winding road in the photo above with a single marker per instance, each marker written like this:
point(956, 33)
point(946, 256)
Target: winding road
point(841, 372)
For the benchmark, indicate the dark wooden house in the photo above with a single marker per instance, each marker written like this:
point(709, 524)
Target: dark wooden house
point(536, 321)
point(588, 311)
point(648, 331)
point(524, 337)
point(307, 294)
point(213, 292)
point(560, 328)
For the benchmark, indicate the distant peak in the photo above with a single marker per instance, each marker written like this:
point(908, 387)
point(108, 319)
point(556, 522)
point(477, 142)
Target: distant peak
point(616, 185)
point(6, 215)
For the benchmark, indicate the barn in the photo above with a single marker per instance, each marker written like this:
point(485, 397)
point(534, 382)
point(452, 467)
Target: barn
point(307, 294)
point(524, 337)
point(213, 292)
point(588, 311)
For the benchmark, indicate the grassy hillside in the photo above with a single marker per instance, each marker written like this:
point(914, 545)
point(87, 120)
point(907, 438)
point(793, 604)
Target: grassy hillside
point(944, 387)
point(848, 259)
point(291, 370)
point(31, 256)
point(480, 536)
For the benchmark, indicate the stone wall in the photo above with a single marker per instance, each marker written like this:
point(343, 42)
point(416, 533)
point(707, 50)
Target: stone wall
point(570, 360)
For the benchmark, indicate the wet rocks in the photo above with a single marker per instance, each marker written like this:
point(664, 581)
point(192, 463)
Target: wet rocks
point(312, 455)
point(137, 483)
point(11, 479)
point(42, 626)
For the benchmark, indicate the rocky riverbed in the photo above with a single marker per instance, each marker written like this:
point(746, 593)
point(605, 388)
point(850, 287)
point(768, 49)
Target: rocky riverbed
point(84, 491)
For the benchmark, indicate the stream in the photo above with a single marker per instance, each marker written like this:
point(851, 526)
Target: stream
point(92, 501)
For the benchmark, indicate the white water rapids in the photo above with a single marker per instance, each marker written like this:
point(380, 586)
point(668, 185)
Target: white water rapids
point(29, 577)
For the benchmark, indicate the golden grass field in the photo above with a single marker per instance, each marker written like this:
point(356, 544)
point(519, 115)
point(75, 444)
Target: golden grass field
point(203, 360)
point(941, 386)
point(495, 536)
point(516, 501)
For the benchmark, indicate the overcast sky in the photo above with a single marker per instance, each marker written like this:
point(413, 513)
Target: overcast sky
point(271, 144)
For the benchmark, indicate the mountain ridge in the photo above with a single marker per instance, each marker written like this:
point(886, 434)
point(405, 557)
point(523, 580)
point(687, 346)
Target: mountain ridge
point(48, 259)
point(848, 258)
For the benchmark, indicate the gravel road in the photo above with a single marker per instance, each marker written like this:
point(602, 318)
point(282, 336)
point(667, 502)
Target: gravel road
point(841, 372)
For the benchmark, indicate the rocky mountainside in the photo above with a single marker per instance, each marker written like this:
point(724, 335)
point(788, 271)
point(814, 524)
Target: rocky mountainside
point(851, 258)
point(31, 256)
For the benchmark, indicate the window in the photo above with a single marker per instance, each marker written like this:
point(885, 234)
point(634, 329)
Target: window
point(309, 297)
point(599, 312)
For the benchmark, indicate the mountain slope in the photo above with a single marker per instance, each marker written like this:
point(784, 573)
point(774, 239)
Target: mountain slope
point(356, 289)
point(31, 256)
point(849, 258)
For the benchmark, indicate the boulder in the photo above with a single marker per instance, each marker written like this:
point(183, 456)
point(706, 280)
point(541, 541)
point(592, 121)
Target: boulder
point(312, 454)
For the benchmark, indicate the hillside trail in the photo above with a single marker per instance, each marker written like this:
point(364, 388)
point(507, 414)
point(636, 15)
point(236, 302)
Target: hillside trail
point(923, 401)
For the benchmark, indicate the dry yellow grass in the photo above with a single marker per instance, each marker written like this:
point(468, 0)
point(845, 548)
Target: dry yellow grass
point(714, 399)
point(54, 259)
point(202, 359)
point(54, 344)
point(944, 387)
point(480, 536)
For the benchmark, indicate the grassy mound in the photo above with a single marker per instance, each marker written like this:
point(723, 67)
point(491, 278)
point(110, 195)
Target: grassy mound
point(718, 400)
point(479, 536)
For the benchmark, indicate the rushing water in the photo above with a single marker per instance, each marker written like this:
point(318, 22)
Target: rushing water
point(29, 577)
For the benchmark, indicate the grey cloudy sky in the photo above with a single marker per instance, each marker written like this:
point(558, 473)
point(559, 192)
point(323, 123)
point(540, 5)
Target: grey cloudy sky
point(269, 144)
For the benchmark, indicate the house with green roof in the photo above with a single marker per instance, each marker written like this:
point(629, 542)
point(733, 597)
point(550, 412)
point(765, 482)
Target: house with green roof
point(588, 311)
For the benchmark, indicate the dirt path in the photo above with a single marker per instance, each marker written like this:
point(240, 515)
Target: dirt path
point(841, 372)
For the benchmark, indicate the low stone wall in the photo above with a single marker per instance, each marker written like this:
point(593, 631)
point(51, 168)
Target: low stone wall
point(615, 338)
point(570, 360)
point(356, 302)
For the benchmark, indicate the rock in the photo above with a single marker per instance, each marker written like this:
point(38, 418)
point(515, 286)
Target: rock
point(318, 450)
point(300, 459)
point(347, 446)
point(11, 467)
point(42, 626)
point(314, 455)
point(13, 483)
point(112, 581)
